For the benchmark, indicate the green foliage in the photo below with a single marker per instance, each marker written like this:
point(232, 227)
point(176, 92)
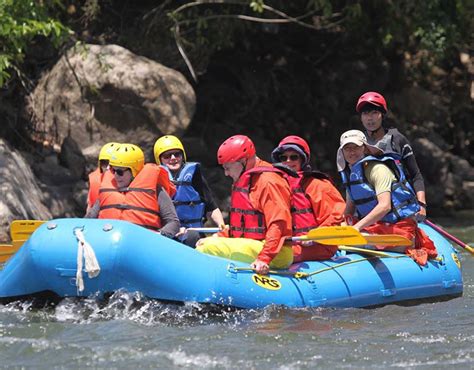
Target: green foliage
point(20, 22)
point(435, 26)
point(257, 6)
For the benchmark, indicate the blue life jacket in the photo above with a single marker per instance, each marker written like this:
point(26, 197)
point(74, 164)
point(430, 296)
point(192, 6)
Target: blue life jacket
point(187, 201)
point(362, 194)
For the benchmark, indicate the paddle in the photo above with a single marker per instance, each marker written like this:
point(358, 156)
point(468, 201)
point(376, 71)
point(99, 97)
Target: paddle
point(369, 252)
point(206, 230)
point(8, 250)
point(334, 235)
point(388, 240)
point(22, 229)
point(450, 237)
point(330, 235)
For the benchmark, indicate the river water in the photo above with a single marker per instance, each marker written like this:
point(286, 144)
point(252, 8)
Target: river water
point(133, 332)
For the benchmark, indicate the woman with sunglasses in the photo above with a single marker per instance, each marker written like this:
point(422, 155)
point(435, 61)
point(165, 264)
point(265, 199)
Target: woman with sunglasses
point(193, 200)
point(315, 201)
point(136, 192)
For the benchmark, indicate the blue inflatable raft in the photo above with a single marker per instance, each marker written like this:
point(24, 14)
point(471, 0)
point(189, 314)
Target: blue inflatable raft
point(132, 258)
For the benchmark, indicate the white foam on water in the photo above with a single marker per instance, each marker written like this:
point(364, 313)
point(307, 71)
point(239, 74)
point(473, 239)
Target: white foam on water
point(181, 358)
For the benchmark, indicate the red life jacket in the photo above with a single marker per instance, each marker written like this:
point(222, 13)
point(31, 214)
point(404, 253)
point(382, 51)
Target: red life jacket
point(302, 214)
point(138, 203)
point(245, 220)
point(95, 178)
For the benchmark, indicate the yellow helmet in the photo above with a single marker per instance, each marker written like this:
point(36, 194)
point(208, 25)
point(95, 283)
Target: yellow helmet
point(106, 151)
point(129, 156)
point(166, 143)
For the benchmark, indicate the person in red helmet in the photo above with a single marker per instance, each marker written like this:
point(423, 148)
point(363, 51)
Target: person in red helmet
point(260, 219)
point(372, 108)
point(315, 201)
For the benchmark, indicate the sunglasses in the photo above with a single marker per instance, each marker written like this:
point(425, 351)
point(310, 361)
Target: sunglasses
point(292, 157)
point(118, 171)
point(177, 154)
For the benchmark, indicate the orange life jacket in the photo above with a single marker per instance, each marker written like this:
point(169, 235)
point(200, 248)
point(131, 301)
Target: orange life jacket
point(302, 213)
point(245, 220)
point(95, 178)
point(137, 203)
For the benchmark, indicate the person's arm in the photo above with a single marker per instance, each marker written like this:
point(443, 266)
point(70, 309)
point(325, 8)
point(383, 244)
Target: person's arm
point(271, 196)
point(217, 217)
point(201, 186)
point(381, 209)
point(169, 218)
point(212, 211)
point(402, 145)
point(381, 178)
point(350, 207)
point(412, 171)
point(93, 212)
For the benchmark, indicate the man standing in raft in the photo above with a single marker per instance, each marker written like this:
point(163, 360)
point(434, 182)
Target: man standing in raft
point(372, 108)
point(315, 201)
point(260, 219)
point(380, 195)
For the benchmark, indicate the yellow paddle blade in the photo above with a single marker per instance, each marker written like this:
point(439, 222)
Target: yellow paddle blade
point(369, 252)
point(334, 235)
point(8, 250)
point(388, 240)
point(22, 229)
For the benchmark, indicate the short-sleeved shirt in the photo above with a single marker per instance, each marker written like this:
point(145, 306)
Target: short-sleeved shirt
point(379, 176)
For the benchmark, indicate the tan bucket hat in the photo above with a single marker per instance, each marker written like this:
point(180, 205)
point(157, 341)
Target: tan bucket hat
point(358, 138)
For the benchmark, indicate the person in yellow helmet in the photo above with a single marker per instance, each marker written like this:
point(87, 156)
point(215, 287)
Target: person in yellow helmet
point(136, 192)
point(95, 177)
point(193, 200)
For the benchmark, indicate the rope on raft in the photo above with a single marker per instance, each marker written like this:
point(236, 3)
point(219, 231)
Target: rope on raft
point(305, 275)
point(85, 251)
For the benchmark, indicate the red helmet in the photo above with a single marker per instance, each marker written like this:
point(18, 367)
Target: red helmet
point(373, 98)
point(234, 148)
point(293, 139)
point(295, 143)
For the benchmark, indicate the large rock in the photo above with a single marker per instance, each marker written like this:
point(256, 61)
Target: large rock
point(20, 196)
point(447, 176)
point(96, 94)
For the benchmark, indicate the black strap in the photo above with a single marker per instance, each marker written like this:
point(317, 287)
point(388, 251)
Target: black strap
point(364, 200)
point(191, 220)
point(241, 190)
point(302, 229)
point(245, 211)
point(186, 203)
point(250, 229)
point(128, 207)
point(125, 190)
point(301, 210)
point(181, 183)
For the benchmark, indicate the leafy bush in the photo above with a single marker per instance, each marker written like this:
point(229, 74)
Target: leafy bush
point(20, 22)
